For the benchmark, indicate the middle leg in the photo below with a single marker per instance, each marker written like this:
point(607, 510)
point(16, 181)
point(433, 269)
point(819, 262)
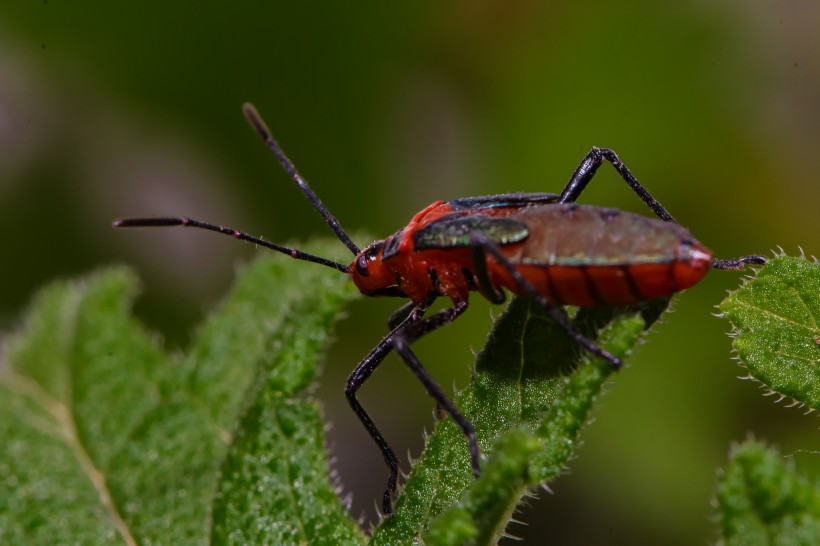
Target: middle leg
point(482, 245)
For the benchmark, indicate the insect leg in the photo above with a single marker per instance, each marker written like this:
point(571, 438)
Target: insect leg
point(491, 292)
point(403, 312)
point(356, 379)
point(589, 166)
point(400, 314)
point(739, 263)
point(401, 342)
point(482, 246)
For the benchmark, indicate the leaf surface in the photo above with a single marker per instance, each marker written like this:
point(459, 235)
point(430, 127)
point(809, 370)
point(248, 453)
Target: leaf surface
point(107, 439)
point(763, 502)
point(776, 320)
point(531, 393)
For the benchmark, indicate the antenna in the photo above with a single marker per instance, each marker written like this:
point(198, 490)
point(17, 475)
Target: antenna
point(259, 126)
point(242, 236)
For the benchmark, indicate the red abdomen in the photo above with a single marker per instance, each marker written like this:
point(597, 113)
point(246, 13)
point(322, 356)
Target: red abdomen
point(590, 256)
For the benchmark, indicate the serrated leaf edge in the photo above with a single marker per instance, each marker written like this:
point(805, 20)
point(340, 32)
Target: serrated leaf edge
point(735, 332)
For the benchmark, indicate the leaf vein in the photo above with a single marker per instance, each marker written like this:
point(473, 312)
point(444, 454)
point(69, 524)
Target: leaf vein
point(775, 315)
point(67, 431)
point(67, 423)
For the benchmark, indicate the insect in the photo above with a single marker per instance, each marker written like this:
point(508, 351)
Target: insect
point(538, 245)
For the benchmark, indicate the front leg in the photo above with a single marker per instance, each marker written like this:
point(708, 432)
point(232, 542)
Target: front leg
point(357, 378)
point(401, 342)
point(405, 311)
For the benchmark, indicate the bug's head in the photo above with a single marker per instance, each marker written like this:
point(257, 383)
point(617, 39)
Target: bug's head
point(371, 275)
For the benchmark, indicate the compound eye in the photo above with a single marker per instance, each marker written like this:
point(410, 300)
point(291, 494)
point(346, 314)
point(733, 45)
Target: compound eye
point(361, 266)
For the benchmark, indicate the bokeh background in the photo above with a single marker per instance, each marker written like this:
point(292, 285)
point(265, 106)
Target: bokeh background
point(109, 109)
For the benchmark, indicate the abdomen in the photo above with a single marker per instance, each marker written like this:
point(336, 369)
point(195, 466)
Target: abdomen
point(589, 256)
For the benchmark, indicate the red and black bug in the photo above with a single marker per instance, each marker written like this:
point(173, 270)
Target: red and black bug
point(538, 245)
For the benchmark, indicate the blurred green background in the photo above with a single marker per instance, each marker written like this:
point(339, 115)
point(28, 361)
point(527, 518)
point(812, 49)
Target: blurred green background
point(109, 109)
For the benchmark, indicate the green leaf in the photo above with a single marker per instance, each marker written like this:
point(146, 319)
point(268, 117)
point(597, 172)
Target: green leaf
point(106, 439)
point(531, 393)
point(776, 320)
point(762, 502)
point(274, 487)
